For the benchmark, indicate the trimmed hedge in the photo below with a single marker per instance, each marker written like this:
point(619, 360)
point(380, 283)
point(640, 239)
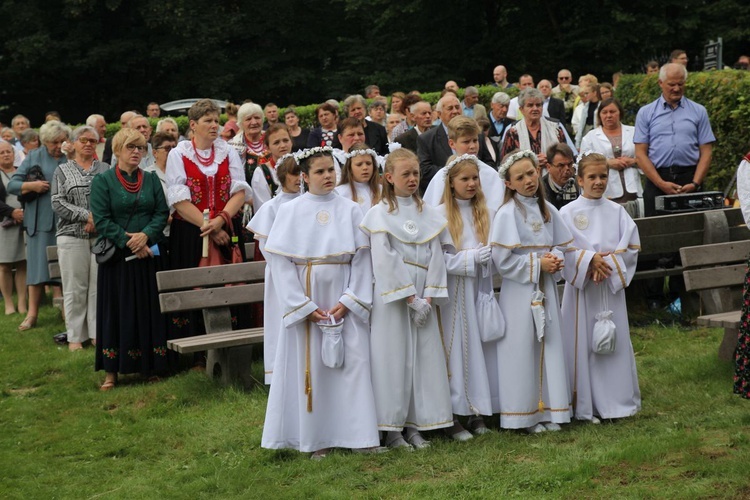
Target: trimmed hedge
point(725, 94)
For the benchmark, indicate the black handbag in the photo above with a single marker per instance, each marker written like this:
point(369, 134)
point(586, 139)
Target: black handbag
point(35, 173)
point(104, 249)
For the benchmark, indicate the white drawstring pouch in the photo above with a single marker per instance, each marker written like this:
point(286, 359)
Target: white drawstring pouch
point(604, 337)
point(490, 317)
point(538, 313)
point(332, 347)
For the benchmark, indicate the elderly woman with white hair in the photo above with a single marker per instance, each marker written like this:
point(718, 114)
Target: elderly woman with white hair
point(169, 126)
point(249, 142)
point(32, 181)
point(533, 132)
point(71, 194)
point(376, 137)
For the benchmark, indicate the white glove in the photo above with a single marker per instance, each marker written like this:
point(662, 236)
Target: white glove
point(420, 311)
point(482, 255)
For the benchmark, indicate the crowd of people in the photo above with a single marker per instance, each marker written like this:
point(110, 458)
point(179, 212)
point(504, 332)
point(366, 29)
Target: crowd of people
point(382, 230)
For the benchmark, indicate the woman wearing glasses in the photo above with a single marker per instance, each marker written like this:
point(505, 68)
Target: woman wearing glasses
point(71, 193)
point(615, 141)
point(130, 210)
point(161, 144)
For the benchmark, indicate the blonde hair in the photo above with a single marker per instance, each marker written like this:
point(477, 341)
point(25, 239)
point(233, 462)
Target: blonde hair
point(389, 194)
point(479, 211)
point(347, 176)
point(589, 159)
point(510, 194)
point(126, 136)
point(461, 126)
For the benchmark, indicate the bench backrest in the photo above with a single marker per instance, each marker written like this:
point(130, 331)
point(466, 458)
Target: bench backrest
point(669, 233)
point(714, 266)
point(206, 287)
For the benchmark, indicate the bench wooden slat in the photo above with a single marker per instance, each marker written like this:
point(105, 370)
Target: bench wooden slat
point(52, 253)
point(217, 340)
point(721, 320)
point(670, 241)
point(716, 254)
point(190, 300)
point(54, 270)
point(657, 273)
point(714, 277)
point(185, 279)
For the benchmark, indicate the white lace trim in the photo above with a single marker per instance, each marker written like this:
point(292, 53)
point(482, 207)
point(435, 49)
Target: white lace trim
point(176, 194)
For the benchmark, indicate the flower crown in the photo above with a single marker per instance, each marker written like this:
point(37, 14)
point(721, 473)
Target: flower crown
point(307, 153)
point(360, 152)
point(510, 160)
point(584, 154)
point(286, 157)
point(456, 161)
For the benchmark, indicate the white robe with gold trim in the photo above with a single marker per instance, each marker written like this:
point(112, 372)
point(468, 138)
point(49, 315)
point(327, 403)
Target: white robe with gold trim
point(531, 384)
point(409, 374)
point(260, 225)
point(604, 385)
point(470, 388)
point(317, 251)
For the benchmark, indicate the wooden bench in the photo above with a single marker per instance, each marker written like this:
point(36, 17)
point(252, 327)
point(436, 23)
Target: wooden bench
point(667, 234)
point(718, 272)
point(205, 288)
point(53, 265)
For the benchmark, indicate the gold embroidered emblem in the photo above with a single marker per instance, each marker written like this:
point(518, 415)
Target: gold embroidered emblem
point(411, 227)
point(581, 221)
point(323, 217)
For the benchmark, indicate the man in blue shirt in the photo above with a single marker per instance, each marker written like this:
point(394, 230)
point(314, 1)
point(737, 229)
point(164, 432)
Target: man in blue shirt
point(673, 140)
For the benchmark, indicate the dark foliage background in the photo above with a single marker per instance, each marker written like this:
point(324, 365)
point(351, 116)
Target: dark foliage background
point(84, 56)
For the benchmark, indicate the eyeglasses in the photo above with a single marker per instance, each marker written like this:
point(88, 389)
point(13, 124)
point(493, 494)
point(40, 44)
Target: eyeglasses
point(166, 148)
point(569, 165)
point(133, 147)
point(563, 78)
point(86, 140)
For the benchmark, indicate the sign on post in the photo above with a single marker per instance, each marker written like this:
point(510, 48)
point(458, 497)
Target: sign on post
point(712, 53)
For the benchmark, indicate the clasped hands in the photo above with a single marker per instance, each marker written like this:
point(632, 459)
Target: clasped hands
point(599, 270)
point(551, 264)
point(338, 312)
point(138, 244)
point(215, 230)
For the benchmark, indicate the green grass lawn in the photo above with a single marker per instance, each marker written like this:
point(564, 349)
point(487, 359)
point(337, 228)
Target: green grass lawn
point(188, 437)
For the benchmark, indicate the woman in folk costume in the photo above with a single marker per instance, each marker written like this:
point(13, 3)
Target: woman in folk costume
point(317, 251)
point(288, 172)
point(606, 242)
point(204, 173)
point(527, 238)
point(409, 374)
point(360, 180)
point(469, 266)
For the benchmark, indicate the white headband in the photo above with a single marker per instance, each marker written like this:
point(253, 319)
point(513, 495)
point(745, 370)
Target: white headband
point(510, 160)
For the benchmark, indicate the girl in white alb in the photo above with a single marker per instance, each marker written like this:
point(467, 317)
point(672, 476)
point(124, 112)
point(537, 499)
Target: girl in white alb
point(469, 267)
point(260, 225)
point(409, 374)
point(315, 248)
point(528, 238)
point(360, 180)
point(606, 242)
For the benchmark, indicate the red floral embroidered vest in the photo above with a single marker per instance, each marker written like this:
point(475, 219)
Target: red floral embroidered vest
point(210, 193)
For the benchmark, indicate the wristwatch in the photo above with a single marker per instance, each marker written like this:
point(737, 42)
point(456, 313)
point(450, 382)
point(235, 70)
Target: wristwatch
point(697, 186)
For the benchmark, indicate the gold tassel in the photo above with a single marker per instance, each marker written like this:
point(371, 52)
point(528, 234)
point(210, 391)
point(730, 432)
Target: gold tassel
point(541, 406)
point(308, 391)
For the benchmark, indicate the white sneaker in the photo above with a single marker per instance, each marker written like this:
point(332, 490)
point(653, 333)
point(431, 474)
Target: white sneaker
point(595, 421)
point(536, 429)
point(550, 426)
point(417, 441)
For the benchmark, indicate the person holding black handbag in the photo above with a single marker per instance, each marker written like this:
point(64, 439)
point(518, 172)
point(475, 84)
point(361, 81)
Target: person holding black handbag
point(130, 211)
point(31, 183)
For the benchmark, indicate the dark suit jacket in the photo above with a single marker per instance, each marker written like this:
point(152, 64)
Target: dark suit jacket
point(556, 110)
point(433, 151)
point(107, 154)
point(408, 139)
point(376, 137)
